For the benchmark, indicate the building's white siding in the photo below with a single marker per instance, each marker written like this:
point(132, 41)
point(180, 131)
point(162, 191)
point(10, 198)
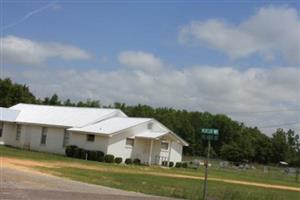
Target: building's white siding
point(117, 143)
point(8, 133)
point(141, 149)
point(54, 141)
point(79, 139)
point(176, 152)
point(30, 138)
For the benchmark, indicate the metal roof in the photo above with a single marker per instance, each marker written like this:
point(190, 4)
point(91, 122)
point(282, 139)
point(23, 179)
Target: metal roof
point(85, 120)
point(151, 134)
point(61, 115)
point(112, 125)
point(8, 115)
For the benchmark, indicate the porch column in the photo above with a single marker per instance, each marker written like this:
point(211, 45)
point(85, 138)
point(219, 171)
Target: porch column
point(170, 148)
point(150, 152)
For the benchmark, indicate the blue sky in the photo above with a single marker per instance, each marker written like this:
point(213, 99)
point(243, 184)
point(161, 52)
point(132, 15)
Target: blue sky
point(105, 29)
point(217, 56)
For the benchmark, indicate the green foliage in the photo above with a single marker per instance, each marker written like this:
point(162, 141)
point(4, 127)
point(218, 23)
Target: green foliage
point(92, 155)
point(164, 163)
point(13, 93)
point(79, 153)
point(109, 158)
point(231, 152)
point(100, 156)
point(128, 161)
point(137, 161)
point(70, 150)
point(118, 160)
point(184, 165)
point(171, 164)
point(178, 164)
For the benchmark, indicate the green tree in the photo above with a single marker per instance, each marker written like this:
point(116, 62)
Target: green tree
point(231, 152)
point(13, 93)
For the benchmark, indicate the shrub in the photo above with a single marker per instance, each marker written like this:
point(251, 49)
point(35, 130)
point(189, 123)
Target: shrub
point(70, 150)
point(100, 156)
point(92, 155)
point(109, 158)
point(178, 165)
point(79, 153)
point(137, 161)
point(128, 161)
point(118, 160)
point(184, 165)
point(171, 164)
point(164, 163)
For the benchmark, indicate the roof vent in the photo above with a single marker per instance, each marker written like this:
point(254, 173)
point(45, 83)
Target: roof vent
point(150, 125)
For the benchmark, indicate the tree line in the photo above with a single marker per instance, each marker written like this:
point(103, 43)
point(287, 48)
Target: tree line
point(237, 142)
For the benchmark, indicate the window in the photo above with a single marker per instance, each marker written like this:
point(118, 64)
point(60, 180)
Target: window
point(44, 135)
point(1, 128)
point(66, 138)
point(90, 138)
point(164, 145)
point(129, 142)
point(18, 134)
point(150, 125)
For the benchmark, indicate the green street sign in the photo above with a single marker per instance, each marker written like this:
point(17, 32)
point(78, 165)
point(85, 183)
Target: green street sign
point(210, 131)
point(210, 134)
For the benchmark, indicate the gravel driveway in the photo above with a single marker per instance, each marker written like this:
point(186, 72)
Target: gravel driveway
point(21, 185)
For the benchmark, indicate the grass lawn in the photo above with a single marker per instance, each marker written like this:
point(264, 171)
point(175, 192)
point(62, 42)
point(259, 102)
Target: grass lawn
point(137, 178)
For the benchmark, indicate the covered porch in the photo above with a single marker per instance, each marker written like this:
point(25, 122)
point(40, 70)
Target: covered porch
point(154, 148)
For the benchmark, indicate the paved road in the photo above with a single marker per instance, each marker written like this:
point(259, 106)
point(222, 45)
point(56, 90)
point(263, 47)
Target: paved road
point(27, 185)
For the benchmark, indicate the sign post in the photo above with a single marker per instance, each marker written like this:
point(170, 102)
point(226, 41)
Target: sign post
point(209, 135)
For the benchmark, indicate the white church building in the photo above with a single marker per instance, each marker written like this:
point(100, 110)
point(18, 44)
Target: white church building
point(52, 128)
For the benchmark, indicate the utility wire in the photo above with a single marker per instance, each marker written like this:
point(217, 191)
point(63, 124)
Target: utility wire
point(278, 125)
point(264, 111)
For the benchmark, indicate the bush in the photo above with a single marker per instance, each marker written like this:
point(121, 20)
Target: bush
point(184, 165)
point(178, 165)
point(164, 163)
point(70, 150)
point(118, 160)
point(79, 153)
point(100, 156)
point(137, 161)
point(109, 158)
point(92, 155)
point(128, 161)
point(171, 164)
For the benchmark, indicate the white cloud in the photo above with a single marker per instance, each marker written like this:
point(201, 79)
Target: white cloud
point(24, 51)
point(272, 31)
point(140, 61)
point(203, 88)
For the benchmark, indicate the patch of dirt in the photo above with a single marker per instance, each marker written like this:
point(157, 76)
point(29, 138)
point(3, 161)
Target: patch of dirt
point(23, 164)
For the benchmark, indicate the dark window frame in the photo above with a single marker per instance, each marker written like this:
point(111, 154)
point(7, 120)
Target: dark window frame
point(164, 145)
point(131, 143)
point(44, 136)
point(90, 138)
point(66, 138)
point(18, 132)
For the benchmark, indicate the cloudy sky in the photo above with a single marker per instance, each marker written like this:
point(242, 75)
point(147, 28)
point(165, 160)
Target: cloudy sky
point(241, 59)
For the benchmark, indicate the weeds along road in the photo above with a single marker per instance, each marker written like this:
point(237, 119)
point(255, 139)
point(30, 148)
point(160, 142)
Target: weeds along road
point(21, 184)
